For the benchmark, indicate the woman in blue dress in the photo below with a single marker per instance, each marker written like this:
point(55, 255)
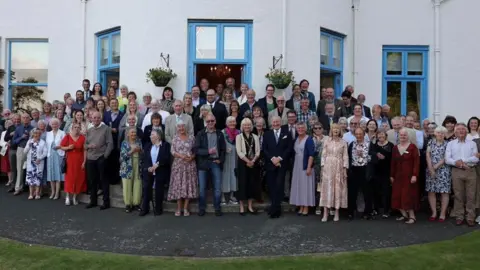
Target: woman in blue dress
point(55, 156)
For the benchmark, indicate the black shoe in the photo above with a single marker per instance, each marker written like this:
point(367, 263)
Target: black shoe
point(158, 212)
point(350, 217)
point(91, 205)
point(242, 214)
point(143, 213)
point(11, 190)
point(128, 209)
point(201, 213)
point(254, 212)
point(286, 199)
point(275, 215)
point(218, 213)
point(104, 206)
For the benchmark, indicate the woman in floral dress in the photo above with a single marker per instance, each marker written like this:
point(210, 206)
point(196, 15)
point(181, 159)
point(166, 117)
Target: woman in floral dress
point(333, 188)
point(36, 151)
point(130, 170)
point(183, 179)
point(438, 174)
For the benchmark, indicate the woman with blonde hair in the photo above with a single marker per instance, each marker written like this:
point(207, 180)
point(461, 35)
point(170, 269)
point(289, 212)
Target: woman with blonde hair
point(243, 90)
point(36, 152)
point(333, 188)
point(227, 98)
point(199, 123)
point(248, 150)
point(188, 107)
point(132, 109)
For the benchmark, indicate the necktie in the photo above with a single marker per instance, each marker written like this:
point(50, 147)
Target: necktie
point(178, 118)
point(211, 106)
point(397, 139)
point(276, 136)
point(331, 121)
point(292, 131)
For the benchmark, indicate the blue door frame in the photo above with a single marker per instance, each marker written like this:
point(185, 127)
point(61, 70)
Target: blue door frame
point(404, 78)
point(330, 67)
point(220, 57)
point(102, 70)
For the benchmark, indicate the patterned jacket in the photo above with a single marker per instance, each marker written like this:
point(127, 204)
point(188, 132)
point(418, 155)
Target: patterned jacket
point(126, 167)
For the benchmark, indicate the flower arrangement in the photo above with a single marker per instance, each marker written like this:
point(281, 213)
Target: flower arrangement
point(160, 76)
point(280, 78)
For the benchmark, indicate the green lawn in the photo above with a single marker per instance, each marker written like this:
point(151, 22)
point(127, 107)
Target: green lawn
point(458, 254)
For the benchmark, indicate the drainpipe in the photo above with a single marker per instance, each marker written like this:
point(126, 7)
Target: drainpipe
point(355, 4)
point(84, 39)
point(287, 92)
point(436, 60)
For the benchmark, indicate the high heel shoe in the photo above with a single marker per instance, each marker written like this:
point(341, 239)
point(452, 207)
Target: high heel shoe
point(253, 211)
point(324, 219)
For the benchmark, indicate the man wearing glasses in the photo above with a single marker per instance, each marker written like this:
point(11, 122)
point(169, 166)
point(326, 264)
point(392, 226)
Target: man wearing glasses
point(210, 145)
point(218, 109)
point(349, 136)
point(280, 111)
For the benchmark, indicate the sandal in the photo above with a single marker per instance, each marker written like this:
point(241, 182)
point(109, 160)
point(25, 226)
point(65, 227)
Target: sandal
point(30, 197)
point(37, 197)
point(178, 213)
point(402, 218)
point(410, 221)
point(186, 213)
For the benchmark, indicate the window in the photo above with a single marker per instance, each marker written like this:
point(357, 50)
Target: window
point(27, 73)
point(108, 56)
point(405, 79)
point(219, 44)
point(331, 60)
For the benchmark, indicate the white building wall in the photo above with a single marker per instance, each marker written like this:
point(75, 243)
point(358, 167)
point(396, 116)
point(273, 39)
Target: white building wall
point(149, 27)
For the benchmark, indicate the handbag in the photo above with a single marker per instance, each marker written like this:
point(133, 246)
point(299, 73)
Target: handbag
point(63, 166)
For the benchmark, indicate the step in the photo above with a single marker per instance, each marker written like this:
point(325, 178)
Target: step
point(116, 201)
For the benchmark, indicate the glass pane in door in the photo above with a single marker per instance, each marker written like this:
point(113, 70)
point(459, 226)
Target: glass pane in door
point(414, 97)
point(116, 49)
point(104, 51)
point(415, 64)
point(324, 50)
point(394, 63)
point(394, 96)
point(336, 52)
point(234, 43)
point(206, 42)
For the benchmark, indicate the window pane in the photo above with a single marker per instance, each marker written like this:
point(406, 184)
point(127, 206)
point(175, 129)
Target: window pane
point(116, 49)
point(29, 62)
point(394, 93)
point(27, 97)
point(104, 52)
point(206, 47)
point(415, 64)
point(324, 50)
point(413, 96)
point(336, 52)
point(394, 63)
point(234, 43)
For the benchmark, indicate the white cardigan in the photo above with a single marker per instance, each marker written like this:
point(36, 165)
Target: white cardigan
point(56, 140)
point(241, 149)
point(41, 154)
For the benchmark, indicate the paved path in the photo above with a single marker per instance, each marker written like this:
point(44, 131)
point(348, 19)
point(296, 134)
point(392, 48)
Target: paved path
point(52, 223)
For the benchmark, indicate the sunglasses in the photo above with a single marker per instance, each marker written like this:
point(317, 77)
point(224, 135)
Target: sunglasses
point(317, 128)
point(210, 121)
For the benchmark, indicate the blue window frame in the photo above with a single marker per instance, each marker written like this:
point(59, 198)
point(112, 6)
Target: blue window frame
point(27, 66)
point(331, 58)
point(108, 55)
point(405, 79)
point(211, 42)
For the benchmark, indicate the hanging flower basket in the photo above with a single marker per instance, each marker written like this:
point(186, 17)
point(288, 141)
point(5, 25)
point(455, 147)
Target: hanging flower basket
point(160, 76)
point(280, 78)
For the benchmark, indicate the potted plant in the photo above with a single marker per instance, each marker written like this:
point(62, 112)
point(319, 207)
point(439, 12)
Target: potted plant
point(280, 78)
point(160, 76)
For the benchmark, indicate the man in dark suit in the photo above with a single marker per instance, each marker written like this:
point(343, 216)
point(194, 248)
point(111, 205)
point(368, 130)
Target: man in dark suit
point(291, 129)
point(197, 100)
point(112, 118)
point(155, 172)
point(330, 117)
point(218, 109)
point(210, 151)
point(365, 109)
point(330, 98)
point(277, 147)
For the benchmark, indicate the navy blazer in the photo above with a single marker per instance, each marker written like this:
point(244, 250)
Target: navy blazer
point(245, 108)
point(309, 151)
point(107, 119)
point(163, 159)
point(148, 131)
point(201, 101)
point(201, 146)
point(282, 149)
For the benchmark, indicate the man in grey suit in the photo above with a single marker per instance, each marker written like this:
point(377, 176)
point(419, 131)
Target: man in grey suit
point(171, 121)
point(330, 98)
point(392, 134)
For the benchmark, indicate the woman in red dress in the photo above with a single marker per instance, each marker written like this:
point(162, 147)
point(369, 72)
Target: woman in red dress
point(403, 175)
point(75, 174)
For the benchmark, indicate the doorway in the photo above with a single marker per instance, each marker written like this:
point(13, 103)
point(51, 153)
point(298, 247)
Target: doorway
point(331, 79)
point(106, 76)
point(218, 73)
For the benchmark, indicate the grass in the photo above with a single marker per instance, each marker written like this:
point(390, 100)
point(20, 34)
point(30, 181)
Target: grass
point(461, 253)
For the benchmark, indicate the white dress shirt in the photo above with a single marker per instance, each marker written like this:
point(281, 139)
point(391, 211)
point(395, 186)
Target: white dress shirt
point(420, 137)
point(147, 120)
point(195, 102)
point(465, 151)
